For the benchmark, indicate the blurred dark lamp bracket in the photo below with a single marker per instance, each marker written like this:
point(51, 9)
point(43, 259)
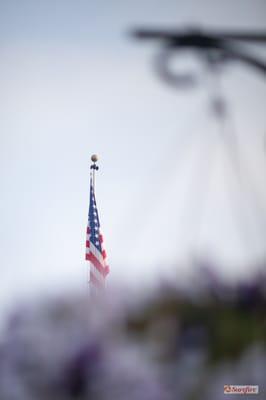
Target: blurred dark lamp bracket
point(215, 48)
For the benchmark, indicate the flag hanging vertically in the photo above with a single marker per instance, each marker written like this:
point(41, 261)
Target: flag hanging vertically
point(95, 252)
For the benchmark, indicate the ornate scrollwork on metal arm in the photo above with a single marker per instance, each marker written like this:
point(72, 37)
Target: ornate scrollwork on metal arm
point(215, 48)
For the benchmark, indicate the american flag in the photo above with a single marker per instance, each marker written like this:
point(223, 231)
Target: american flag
point(95, 252)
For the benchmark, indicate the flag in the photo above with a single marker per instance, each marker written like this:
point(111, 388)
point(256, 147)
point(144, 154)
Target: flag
point(95, 252)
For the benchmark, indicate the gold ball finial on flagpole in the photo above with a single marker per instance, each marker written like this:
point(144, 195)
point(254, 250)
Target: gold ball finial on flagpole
point(94, 158)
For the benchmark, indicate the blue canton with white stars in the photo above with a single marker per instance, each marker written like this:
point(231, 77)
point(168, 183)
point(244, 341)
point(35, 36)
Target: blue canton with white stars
point(94, 222)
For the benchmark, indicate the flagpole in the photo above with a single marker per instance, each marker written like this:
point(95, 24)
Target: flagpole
point(94, 167)
point(95, 251)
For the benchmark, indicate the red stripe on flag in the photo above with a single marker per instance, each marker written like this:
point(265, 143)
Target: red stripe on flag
point(91, 257)
point(88, 230)
point(87, 243)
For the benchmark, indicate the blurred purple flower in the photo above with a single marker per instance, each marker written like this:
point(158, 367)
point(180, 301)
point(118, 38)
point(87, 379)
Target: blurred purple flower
point(62, 350)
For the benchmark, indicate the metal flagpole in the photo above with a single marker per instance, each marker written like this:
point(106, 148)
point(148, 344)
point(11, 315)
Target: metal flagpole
point(95, 252)
point(93, 167)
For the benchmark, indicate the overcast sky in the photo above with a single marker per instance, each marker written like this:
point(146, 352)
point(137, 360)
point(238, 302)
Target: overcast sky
point(74, 83)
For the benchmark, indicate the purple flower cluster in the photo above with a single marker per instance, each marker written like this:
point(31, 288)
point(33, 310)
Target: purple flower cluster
point(172, 344)
point(63, 350)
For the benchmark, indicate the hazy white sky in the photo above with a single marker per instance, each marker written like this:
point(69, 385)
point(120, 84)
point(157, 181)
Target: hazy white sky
point(74, 83)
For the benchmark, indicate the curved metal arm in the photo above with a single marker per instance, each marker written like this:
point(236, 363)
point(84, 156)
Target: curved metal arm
point(215, 47)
